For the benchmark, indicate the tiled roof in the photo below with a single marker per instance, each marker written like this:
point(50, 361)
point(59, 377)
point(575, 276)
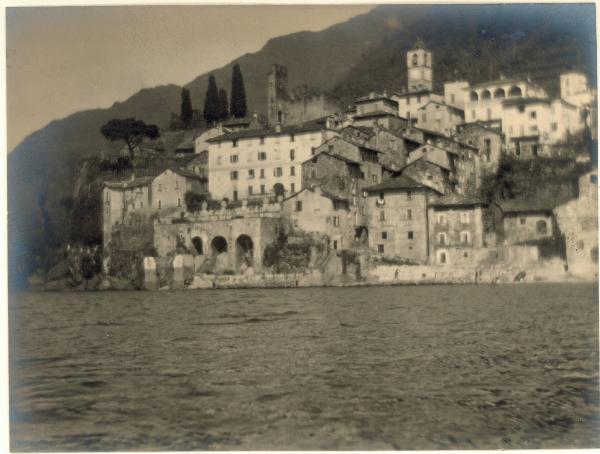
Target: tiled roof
point(376, 113)
point(443, 104)
point(255, 133)
point(398, 182)
point(525, 205)
point(128, 184)
point(457, 200)
point(333, 155)
point(374, 97)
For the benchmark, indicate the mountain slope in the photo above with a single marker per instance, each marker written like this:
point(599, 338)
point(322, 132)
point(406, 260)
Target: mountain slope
point(348, 59)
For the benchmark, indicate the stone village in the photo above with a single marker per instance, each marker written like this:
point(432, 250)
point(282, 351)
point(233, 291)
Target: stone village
point(392, 189)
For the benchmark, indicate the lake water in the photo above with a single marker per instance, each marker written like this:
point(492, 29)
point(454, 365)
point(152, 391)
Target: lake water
point(421, 367)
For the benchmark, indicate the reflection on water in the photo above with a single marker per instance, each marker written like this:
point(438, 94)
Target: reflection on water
point(362, 368)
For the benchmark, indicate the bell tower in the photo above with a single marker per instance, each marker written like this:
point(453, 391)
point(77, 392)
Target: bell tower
point(277, 94)
point(420, 68)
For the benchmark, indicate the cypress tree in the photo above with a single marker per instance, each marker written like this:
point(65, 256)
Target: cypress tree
point(211, 101)
point(238, 93)
point(186, 107)
point(223, 105)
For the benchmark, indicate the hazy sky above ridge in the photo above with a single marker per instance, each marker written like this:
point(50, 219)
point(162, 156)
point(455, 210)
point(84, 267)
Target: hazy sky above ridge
point(64, 59)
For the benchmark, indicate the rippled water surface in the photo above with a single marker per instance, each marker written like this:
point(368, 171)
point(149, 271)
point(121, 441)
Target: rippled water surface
point(337, 368)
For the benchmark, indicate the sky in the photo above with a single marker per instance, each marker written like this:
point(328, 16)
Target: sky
point(64, 59)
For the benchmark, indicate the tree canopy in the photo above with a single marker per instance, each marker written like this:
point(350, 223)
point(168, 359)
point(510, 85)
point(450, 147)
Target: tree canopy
point(211, 101)
point(238, 93)
point(186, 107)
point(223, 105)
point(131, 131)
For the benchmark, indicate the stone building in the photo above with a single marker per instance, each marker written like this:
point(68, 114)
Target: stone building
point(578, 221)
point(531, 125)
point(484, 102)
point(521, 220)
point(132, 202)
point(397, 219)
point(221, 240)
point(262, 163)
point(431, 174)
point(318, 211)
point(457, 233)
point(301, 105)
point(490, 148)
point(440, 117)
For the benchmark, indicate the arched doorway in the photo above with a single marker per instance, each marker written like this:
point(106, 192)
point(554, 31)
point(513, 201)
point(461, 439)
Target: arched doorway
point(198, 245)
point(244, 252)
point(218, 245)
point(278, 189)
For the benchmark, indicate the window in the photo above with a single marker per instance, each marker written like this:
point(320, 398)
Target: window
point(533, 114)
point(292, 138)
point(374, 178)
point(235, 142)
point(541, 227)
point(335, 244)
point(408, 214)
point(262, 188)
point(250, 174)
point(442, 238)
point(277, 171)
point(415, 59)
point(141, 204)
point(466, 255)
point(262, 156)
point(233, 175)
point(292, 171)
point(250, 190)
point(384, 235)
point(465, 237)
point(233, 158)
point(313, 173)
point(522, 221)
point(235, 195)
point(408, 195)
point(159, 205)
point(464, 218)
point(441, 219)
point(292, 187)
point(262, 173)
point(381, 215)
point(262, 140)
point(382, 195)
point(554, 126)
point(533, 129)
point(299, 205)
point(330, 148)
point(336, 221)
point(410, 235)
point(176, 184)
point(312, 151)
point(380, 248)
point(442, 257)
point(292, 154)
point(178, 202)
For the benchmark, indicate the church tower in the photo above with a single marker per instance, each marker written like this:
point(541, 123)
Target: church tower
point(277, 94)
point(419, 63)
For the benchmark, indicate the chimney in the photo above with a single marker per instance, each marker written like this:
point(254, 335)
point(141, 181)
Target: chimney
point(255, 115)
point(371, 95)
point(385, 93)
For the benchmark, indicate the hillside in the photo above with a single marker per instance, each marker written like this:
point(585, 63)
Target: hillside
point(348, 59)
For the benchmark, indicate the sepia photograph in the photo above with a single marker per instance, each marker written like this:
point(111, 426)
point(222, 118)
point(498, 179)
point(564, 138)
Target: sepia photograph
point(290, 227)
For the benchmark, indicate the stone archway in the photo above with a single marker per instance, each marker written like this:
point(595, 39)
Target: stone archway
point(244, 252)
point(218, 246)
point(198, 245)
